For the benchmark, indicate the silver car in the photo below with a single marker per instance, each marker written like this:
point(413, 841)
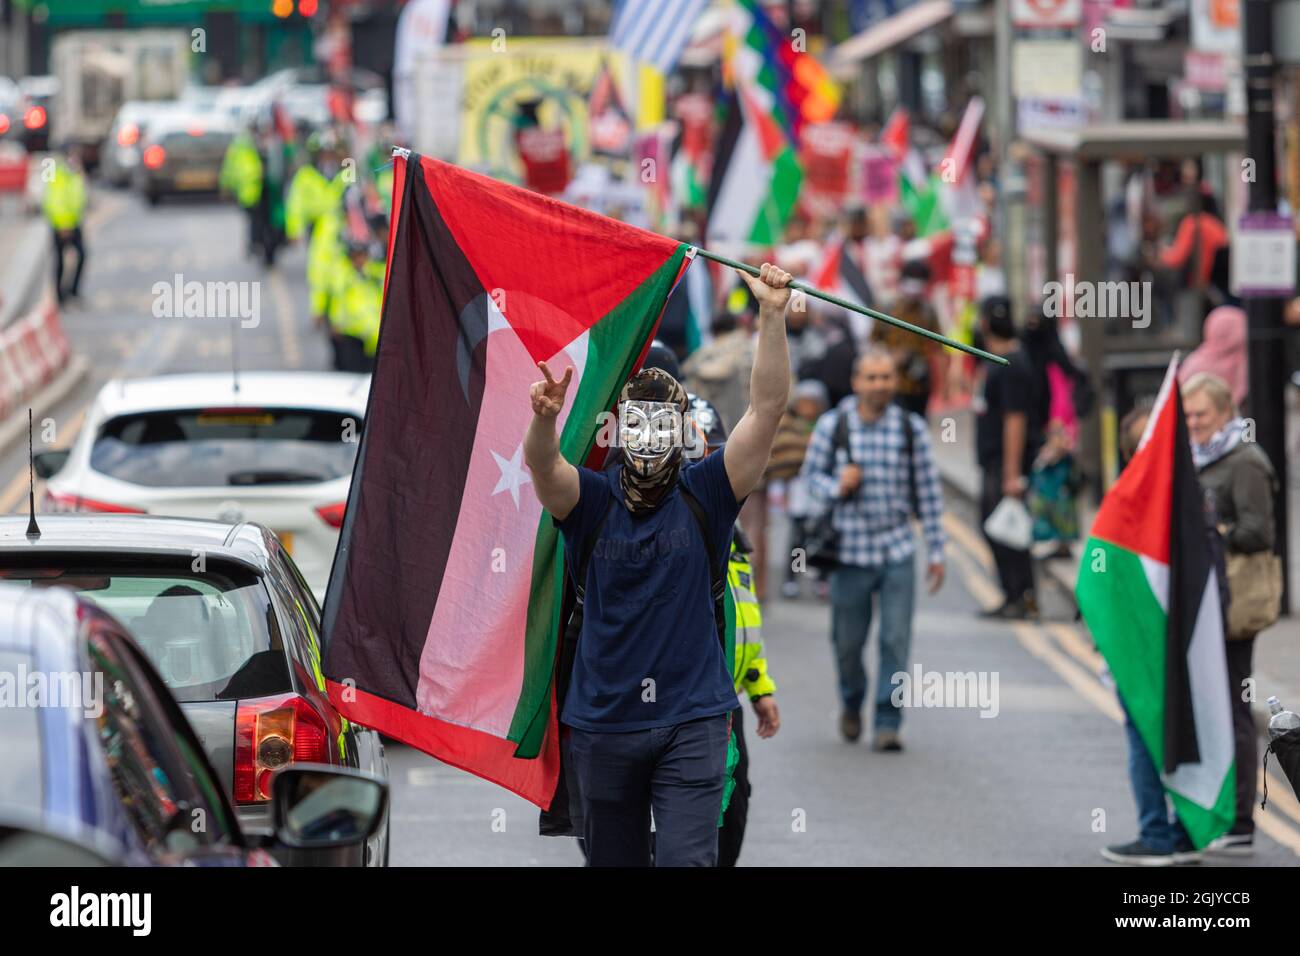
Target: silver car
point(228, 622)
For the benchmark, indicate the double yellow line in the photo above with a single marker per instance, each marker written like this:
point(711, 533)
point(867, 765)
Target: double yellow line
point(1077, 663)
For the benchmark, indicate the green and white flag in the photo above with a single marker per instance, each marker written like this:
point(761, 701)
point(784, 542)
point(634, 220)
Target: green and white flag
point(1148, 590)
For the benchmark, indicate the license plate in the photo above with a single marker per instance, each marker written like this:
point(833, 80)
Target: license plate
point(196, 179)
point(286, 540)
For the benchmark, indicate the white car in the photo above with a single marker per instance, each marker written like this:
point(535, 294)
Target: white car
point(278, 451)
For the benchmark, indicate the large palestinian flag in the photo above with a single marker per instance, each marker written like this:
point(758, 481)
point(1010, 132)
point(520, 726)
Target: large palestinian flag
point(444, 602)
point(1149, 593)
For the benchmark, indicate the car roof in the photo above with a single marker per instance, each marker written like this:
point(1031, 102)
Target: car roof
point(336, 391)
point(180, 117)
point(245, 543)
point(133, 108)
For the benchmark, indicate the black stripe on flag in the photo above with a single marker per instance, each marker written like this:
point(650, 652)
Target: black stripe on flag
point(725, 147)
point(1190, 567)
point(853, 278)
point(415, 452)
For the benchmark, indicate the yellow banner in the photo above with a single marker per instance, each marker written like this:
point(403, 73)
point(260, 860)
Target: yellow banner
point(507, 77)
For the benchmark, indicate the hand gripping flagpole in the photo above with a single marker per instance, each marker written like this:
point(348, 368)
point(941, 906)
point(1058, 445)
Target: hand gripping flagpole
point(827, 297)
point(860, 309)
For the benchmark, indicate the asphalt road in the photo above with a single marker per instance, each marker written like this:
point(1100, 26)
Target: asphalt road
point(1042, 782)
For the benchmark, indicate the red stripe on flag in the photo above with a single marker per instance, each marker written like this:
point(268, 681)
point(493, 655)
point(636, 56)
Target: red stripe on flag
point(591, 264)
point(1135, 514)
point(471, 750)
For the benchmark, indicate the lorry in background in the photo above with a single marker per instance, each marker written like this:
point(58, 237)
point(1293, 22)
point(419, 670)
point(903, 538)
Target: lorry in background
point(99, 70)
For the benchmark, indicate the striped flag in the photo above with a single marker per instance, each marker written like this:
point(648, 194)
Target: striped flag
point(756, 178)
point(654, 32)
point(956, 170)
point(444, 603)
point(788, 82)
point(1149, 592)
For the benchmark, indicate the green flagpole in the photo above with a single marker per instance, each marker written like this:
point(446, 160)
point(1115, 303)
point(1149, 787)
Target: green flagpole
point(827, 297)
point(860, 309)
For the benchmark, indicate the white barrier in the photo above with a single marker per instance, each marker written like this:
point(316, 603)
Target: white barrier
point(33, 350)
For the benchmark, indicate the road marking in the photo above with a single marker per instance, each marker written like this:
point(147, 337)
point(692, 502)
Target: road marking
point(105, 208)
point(1075, 662)
point(14, 493)
point(290, 350)
point(1035, 640)
point(969, 539)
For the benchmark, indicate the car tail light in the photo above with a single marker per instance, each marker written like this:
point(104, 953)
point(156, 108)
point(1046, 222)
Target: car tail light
point(128, 135)
point(271, 732)
point(332, 515)
point(34, 118)
point(154, 156)
point(56, 502)
point(195, 131)
point(4, 124)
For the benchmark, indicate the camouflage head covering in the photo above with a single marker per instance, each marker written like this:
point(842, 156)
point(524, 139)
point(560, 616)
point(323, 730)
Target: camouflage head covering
point(643, 493)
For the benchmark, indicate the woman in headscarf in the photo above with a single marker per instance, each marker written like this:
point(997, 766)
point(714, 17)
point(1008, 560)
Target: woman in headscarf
point(1222, 352)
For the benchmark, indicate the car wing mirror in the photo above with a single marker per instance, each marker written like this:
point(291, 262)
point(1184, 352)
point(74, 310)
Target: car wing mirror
point(47, 464)
point(318, 806)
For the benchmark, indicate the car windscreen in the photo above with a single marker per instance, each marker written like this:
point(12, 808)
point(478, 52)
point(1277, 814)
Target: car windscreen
point(227, 447)
point(212, 635)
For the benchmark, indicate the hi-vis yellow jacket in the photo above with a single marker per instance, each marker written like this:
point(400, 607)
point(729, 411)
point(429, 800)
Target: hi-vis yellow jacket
point(241, 171)
point(749, 666)
point(356, 302)
point(64, 202)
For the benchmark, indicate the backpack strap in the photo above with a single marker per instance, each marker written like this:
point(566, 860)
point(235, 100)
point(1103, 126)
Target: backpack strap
point(717, 571)
point(909, 447)
point(840, 439)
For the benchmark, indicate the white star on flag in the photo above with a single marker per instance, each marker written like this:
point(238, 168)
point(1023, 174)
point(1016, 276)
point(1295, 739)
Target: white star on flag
point(512, 475)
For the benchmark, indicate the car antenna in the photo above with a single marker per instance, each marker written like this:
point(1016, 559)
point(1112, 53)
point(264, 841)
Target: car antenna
point(33, 529)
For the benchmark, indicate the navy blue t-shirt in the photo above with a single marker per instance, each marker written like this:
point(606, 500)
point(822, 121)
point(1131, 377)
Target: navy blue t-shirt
point(648, 614)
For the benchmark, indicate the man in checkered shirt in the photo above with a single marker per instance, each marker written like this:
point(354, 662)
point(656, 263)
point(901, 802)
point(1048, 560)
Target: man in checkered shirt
point(867, 484)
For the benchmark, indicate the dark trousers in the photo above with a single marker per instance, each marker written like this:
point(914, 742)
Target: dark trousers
point(254, 216)
point(70, 240)
point(1240, 654)
point(1015, 568)
point(1157, 827)
point(732, 832)
point(678, 771)
point(350, 354)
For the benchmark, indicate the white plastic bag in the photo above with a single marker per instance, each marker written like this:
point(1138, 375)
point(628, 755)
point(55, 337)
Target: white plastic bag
point(1011, 524)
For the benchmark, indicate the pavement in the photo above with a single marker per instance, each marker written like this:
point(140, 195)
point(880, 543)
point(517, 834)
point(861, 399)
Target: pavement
point(25, 249)
point(1277, 650)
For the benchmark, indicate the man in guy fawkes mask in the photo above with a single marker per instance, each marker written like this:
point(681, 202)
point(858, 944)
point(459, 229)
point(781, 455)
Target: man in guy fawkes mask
point(649, 701)
point(650, 415)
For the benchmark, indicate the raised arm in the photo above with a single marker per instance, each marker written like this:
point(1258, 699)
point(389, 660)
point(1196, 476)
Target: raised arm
point(750, 443)
point(554, 478)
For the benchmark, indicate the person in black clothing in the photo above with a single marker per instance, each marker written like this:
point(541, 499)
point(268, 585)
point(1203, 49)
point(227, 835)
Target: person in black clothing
point(1041, 341)
point(1008, 433)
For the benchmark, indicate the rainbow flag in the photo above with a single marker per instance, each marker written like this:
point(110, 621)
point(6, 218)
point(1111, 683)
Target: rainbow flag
point(798, 88)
